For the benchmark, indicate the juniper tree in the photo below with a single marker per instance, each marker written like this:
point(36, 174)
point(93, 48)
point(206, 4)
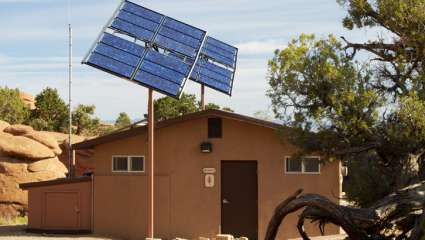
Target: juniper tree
point(366, 112)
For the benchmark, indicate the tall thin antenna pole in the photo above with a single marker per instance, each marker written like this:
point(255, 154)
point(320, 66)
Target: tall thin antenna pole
point(70, 170)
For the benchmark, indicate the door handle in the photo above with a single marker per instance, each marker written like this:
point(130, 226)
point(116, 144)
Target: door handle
point(225, 201)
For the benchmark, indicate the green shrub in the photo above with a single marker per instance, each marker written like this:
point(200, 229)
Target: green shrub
point(12, 109)
point(14, 221)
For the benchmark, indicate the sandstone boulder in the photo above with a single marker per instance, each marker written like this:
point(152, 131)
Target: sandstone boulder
point(11, 210)
point(27, 156)
point(84, 158)
point(10, 191)
point(13, 171)
point(3, 125)
point(28, 99)
point(62, 138)
point(18, 129)
point(13, 167)
point(45, 139)
point(22, 147)
point(51, 164)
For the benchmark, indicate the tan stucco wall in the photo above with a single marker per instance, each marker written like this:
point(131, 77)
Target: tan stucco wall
point(37, 206)
point(186, 208)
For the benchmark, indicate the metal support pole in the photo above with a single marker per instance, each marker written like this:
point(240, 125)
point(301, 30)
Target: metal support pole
point(70, 152)
point(151, 173)
point(202, 97)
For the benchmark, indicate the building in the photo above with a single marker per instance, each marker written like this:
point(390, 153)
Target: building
point(215, 172)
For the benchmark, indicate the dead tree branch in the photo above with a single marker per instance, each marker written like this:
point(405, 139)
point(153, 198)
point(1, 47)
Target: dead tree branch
point(394, 217)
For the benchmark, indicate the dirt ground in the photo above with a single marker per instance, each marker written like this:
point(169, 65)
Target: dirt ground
point(18, 232)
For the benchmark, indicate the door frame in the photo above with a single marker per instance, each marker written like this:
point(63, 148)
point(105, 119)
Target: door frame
point(221, 192)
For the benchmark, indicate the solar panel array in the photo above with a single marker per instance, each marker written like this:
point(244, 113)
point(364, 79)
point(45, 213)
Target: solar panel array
point(161, 53)
point(216, 66)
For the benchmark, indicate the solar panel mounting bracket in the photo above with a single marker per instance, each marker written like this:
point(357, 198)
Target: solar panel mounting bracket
point(149, 45)
point(194, 62)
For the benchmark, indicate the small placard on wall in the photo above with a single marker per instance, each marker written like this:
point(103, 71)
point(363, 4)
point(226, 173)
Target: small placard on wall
point(209, 180)
point(208, 170)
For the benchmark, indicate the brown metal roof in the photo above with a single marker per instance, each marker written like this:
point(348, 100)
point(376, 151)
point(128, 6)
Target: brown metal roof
point(59, 181)
point(136, 130)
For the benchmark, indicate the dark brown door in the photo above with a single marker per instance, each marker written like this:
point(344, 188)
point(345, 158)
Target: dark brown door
point(239, 194)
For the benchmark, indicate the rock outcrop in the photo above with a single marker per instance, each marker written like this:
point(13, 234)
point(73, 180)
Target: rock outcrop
point(84, 158)
point(3, 125)
point(22, 147)
point(14, 171)
point(45, 139)
point(18, 129)
point(26, 156)
point(28, 99)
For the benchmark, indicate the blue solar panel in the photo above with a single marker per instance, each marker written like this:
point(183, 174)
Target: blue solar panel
point(132, 30)
point(220, 52)
point(142, 12)
point(117, 54)
point(218, 57)
point(168, 61)
point(157, 83)
point(182, 38)
point(138, 21)
point(217, 67)
point(110, 65)
point(222, 45)
point(163, 72)
point(184, 28)
point(163, 52)
point(165, 32)
point(173, 45)
point(122, 44)
point(213, 76)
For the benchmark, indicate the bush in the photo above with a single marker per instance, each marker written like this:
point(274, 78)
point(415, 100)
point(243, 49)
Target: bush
point(14, 221)
point(12, 108)
point(51, 113)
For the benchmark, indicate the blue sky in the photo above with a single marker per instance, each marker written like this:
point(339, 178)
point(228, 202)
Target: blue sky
point(33, 45)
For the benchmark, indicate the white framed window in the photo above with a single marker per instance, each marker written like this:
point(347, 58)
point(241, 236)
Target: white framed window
point(123, 163)
point(303, 165)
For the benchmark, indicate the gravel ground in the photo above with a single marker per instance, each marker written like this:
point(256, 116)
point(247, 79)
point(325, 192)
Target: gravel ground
point(18, 232)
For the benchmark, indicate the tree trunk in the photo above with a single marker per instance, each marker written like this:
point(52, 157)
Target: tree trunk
point(397, 216)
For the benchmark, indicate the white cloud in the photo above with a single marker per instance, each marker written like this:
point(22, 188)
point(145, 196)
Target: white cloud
point(36, 64)
point(18, 1)
point(259, 47)
point(260, 27)
point(3, 58)
point(113, 95)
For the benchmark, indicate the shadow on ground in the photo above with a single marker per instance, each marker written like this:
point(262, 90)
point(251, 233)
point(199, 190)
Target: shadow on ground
point(19, 233)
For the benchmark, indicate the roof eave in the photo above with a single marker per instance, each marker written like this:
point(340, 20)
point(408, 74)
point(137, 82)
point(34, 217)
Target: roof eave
point(59, 181)
point(207, 113)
